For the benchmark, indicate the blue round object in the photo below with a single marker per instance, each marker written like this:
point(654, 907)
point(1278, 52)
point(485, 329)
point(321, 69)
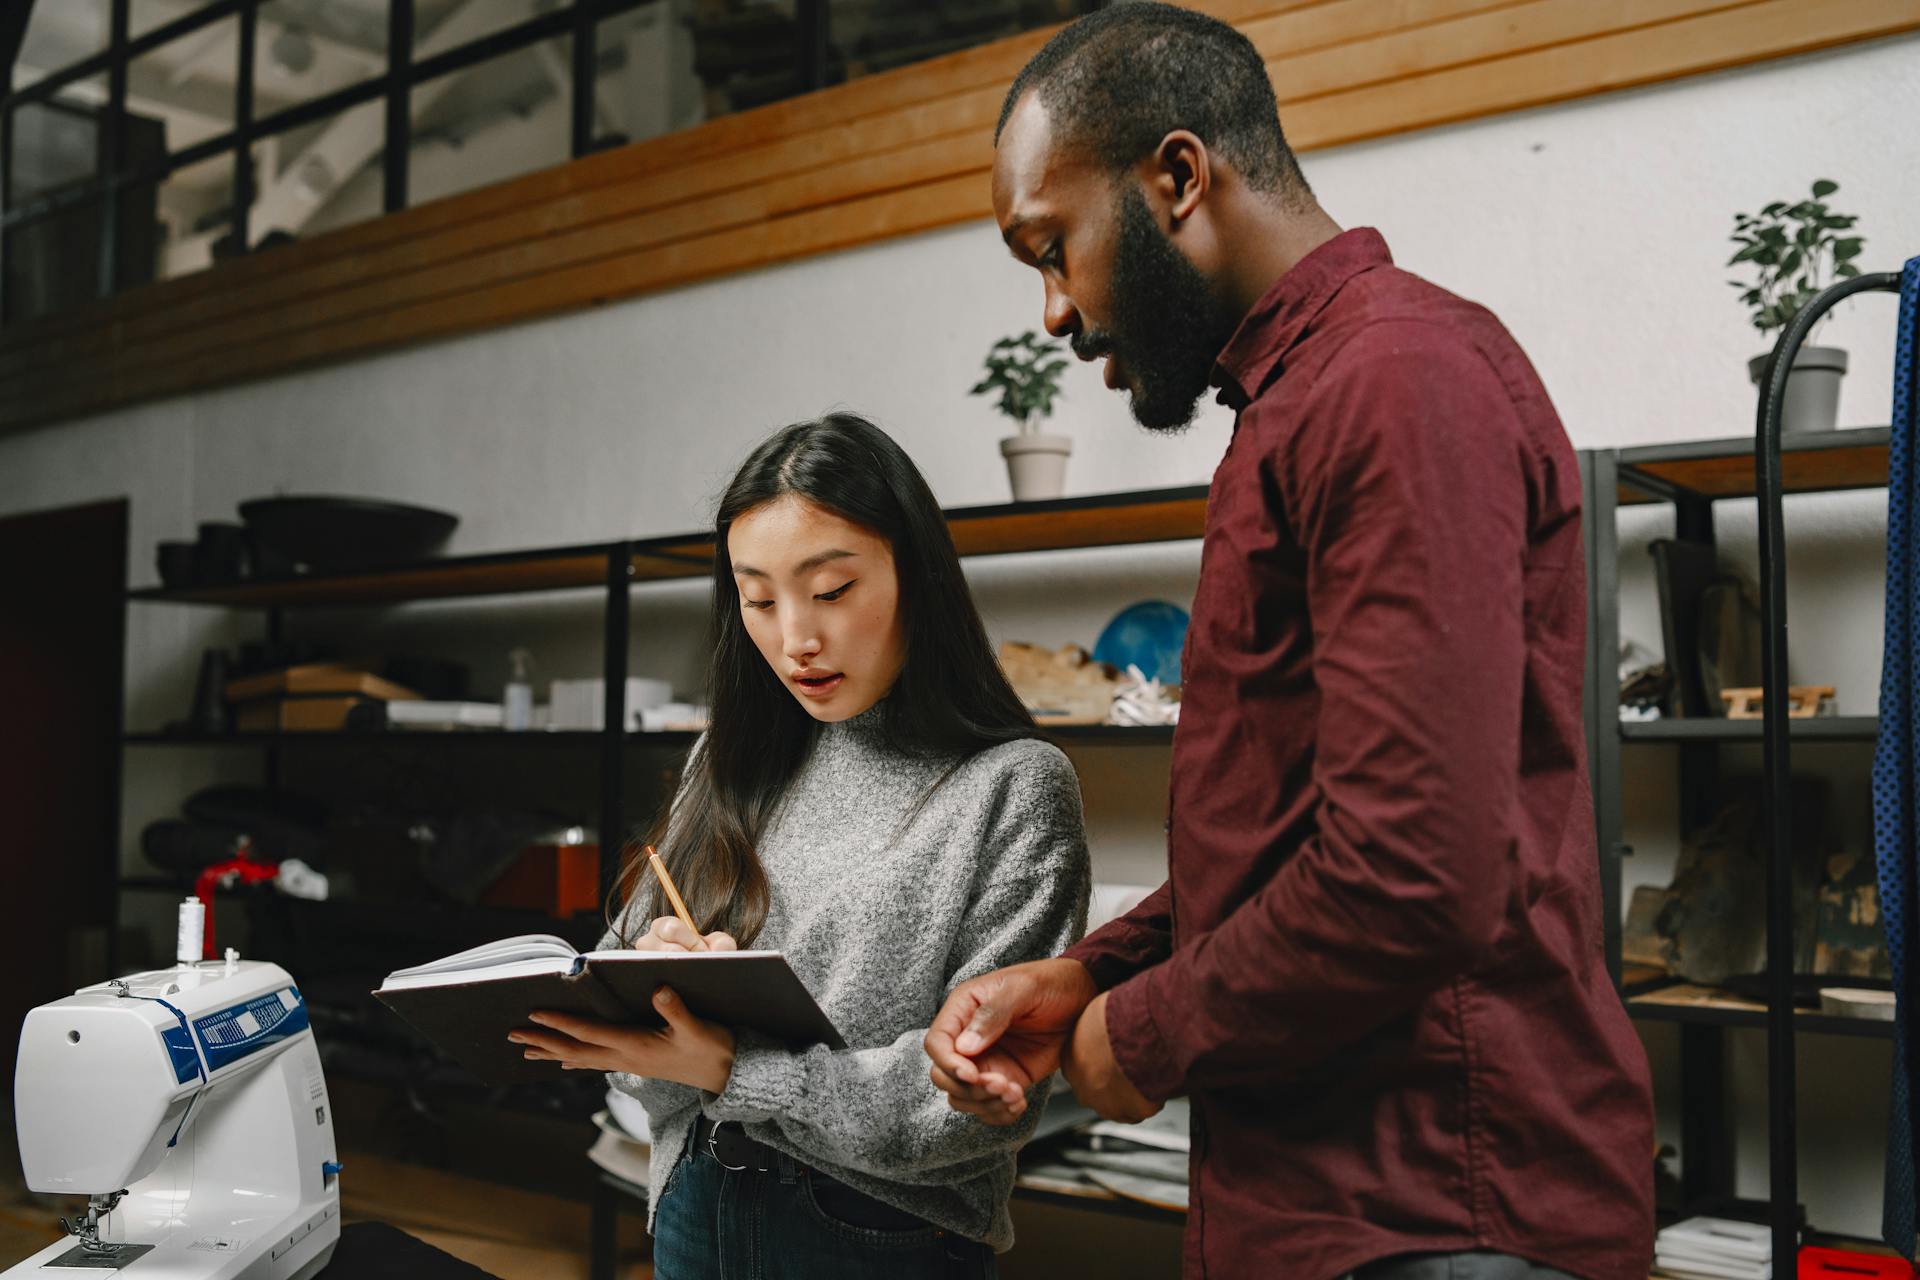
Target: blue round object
point(1149, 635)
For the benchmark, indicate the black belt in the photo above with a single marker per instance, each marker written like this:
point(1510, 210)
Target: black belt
point(730, 1146)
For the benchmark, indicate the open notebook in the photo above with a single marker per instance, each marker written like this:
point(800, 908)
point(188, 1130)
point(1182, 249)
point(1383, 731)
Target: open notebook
point(467, 1003)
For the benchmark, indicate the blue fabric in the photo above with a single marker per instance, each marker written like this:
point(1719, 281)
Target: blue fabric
point(1896, 764)
point(715, 1223)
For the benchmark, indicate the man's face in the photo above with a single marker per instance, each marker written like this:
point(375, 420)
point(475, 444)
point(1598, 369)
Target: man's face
point(1115, 285)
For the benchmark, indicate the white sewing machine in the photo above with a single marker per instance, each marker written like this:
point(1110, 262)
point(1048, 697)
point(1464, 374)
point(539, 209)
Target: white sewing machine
point(188, 1105)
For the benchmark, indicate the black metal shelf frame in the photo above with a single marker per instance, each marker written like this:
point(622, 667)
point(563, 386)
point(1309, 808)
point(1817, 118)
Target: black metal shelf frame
point(617, 579)
point(1706, 1127)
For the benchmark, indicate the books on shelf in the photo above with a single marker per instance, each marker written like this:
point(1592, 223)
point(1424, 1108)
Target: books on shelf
point(468, 1002)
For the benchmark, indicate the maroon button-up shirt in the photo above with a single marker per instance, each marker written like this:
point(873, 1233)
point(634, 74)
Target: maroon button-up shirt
point(1377, 966)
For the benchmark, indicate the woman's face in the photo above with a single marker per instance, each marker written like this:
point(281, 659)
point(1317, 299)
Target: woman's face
point(821, 600)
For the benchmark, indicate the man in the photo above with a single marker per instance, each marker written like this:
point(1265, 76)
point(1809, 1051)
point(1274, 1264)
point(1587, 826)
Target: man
point(1376, 967)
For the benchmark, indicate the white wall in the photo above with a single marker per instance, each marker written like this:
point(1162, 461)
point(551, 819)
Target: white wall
point(1595, 229)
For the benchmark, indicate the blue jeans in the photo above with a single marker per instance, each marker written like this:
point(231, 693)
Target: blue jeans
point(714, 1223)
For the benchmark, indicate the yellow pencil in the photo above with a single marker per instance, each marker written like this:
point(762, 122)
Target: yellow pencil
point(673, 896)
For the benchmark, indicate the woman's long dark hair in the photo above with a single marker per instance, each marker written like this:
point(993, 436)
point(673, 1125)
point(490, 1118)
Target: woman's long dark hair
point(951, 699)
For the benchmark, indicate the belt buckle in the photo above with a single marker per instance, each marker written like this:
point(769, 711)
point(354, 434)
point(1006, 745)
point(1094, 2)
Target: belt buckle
point(713, 1145)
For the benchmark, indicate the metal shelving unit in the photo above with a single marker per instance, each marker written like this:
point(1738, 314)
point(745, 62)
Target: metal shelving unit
point(616, 568)
point(1693, 478)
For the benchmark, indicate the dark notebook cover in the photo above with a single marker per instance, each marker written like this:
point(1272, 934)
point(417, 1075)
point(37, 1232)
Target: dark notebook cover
point(469, 1015)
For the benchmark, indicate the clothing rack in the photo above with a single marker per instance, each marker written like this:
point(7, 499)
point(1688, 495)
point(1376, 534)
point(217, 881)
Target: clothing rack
point(1782, 1104)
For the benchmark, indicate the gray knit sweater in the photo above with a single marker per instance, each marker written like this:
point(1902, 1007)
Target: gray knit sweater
point(881, 920)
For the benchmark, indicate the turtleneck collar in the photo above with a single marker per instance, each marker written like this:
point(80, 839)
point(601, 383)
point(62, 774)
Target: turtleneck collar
point(869, 724)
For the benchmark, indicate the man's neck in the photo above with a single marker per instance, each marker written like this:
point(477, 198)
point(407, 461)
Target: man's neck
point(1275, 238)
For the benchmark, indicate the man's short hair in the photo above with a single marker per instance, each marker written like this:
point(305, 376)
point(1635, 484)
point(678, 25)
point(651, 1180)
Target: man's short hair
point(1120, 79)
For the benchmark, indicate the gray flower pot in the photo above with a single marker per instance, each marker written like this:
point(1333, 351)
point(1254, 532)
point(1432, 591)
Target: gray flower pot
point(1037, 465)
point(1813, 388)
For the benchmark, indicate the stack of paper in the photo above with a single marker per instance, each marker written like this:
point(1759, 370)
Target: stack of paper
point(622, 1147)
point(1146, 1161)
point(1715, 1249)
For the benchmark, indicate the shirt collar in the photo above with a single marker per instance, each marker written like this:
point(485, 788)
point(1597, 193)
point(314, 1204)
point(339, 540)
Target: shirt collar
point(1251, 358)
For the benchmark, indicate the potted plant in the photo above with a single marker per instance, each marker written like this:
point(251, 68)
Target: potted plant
point(1795, 251)
point(1025, 372)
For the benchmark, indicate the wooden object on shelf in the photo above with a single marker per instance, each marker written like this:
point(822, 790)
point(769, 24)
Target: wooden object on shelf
point(297, 715)
point(1060, 686)
point(316, 677)
point(559, 879)
point(1803, 701)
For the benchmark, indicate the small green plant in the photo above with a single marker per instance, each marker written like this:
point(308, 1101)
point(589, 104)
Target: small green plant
point(1796, 251)
point(1025, 372)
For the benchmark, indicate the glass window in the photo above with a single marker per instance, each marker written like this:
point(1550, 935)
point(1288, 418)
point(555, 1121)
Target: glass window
point(56, 144)
point(320, 176)
point(440, 25)
point(145, 15)
point(59, 34)
point(307, 49)
point(645, 81)
point(496, 120)
point(187, 86)
point(869, 36)
point(746, 52)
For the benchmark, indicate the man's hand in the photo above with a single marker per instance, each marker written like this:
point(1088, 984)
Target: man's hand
point(1001, 1033)
point(1097, 1079)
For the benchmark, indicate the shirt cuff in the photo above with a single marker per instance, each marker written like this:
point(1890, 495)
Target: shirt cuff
point(1102, 959)
point(766, 1083)
point(1140, 1046)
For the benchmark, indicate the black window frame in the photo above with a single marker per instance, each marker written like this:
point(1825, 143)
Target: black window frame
point(577, 19)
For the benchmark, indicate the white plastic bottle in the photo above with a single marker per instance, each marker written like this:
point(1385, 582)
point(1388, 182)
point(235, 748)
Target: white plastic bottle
point(516, 709)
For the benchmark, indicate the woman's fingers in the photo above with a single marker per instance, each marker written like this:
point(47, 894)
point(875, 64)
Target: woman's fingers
point(672, 929)
point(680, 1019)
point(585, 1030)
point(721, 942)
point(665, 934)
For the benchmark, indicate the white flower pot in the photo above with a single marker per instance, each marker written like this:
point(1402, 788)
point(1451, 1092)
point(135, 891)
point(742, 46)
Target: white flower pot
point(1813, 388)
point(1037, 465)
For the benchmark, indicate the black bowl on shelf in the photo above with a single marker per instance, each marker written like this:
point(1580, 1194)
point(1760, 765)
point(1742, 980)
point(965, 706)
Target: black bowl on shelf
point(175, 561)
point(329, 534)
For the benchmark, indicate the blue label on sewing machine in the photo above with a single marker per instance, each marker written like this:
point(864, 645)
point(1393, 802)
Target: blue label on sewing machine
point(179, 1043)
point(242, 1029)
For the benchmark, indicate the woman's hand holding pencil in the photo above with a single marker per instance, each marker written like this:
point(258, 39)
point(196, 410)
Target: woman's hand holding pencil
point(668, 933)
point(677, 932)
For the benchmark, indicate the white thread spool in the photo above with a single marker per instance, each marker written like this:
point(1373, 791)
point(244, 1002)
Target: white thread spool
point(190, 942)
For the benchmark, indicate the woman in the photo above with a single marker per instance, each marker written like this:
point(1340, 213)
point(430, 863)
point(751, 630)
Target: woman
point(873, 801)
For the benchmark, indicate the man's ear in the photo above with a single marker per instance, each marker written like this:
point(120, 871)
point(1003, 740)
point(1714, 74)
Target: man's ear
point(1179, 174)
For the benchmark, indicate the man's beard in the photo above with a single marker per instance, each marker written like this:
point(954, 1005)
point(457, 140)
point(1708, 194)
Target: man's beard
point(1167, 328)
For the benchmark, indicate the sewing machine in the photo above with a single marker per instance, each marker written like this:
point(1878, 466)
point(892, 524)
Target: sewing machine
point(188, 1105)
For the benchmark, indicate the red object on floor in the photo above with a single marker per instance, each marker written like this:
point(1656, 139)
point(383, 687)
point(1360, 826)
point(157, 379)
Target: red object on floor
point(1845, 1264)
point(239, 869)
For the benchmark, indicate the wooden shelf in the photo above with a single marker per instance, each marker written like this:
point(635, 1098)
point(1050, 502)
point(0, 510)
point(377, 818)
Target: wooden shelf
point(1104, 520)
point(1815, 729)
point(1826, 462)
point(1709, 1006)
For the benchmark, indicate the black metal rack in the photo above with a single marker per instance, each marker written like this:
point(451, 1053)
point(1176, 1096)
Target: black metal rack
point(1782, 1104)
point(1693, 477)
point(616, 568)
